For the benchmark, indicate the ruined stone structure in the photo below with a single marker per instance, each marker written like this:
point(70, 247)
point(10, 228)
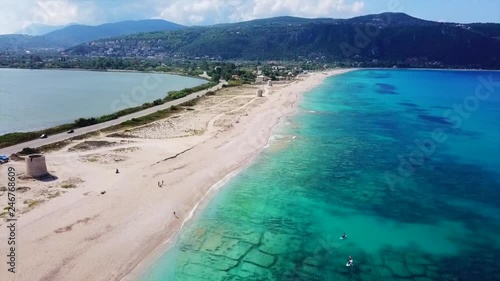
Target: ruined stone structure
point(36, 166)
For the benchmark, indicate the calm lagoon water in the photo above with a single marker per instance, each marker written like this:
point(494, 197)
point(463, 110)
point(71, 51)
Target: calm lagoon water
point(37, 99)
point(281, 219)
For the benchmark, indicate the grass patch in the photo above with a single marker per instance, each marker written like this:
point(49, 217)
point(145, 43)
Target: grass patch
point(160, 114)
point(86, 136)
point(54, 146)
point(54, 195)
point(68, 185)
point(90, 145)
point(233, 83)
point(33, 203)
point(121, 135)
point(173, 95)
point(192, 102)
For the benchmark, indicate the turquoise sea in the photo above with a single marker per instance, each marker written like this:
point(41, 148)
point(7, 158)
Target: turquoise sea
point(405, 162)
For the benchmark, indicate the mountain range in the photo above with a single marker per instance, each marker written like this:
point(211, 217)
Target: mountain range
point(76, 33)
point(388, 37)
point(391, 38)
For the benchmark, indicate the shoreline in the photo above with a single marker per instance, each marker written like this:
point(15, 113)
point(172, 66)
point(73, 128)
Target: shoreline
point(142, 268)
point(84, 225)
point(433, 69)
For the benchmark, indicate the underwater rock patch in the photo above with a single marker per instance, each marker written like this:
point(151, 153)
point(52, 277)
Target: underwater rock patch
point(415, 269)
point(399, 269)
point(434, 119)
point(385, 86)
point(216, 262)
point(250, 271)
point(279, 244)
point(387, 92)
point(260, 259)
point(248, 235)
point(196, 272)
point(409, 104)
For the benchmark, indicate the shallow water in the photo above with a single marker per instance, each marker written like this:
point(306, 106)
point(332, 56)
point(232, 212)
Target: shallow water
point(38, 99)
point(354, 167)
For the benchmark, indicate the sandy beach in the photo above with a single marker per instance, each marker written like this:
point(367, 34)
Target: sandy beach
point(91, 223)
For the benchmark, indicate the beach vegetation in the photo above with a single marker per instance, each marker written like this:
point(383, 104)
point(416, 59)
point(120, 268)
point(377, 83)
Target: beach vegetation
point(53, 195)
point(28, 151)
point(85, 136)
point(68, 185)
point(158, 115)
point(233, 83)
point(54, 146)
point(193, 102)
point(33, 203)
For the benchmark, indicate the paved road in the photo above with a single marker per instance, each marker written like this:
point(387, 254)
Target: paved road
point(81, 131)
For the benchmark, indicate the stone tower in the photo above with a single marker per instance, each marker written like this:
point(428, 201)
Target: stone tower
point(36, 166)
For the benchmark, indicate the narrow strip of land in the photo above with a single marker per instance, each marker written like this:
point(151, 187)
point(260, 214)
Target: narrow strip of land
point(81, 131)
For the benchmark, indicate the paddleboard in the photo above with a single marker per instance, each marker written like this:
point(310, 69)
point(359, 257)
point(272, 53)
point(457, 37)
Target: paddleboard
point(341, 238)
point(348, 264)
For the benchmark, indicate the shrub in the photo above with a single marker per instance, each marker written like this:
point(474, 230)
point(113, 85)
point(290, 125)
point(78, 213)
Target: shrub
point(28, 150)
point(84, 122)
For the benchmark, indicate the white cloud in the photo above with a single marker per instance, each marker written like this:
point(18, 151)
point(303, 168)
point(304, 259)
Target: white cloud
point(217, 11)
point(16, 14)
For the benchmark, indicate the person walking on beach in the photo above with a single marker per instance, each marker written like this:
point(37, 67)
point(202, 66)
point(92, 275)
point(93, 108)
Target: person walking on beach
point(175, 215)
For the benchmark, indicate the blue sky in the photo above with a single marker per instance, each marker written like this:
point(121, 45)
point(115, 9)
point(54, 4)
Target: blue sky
point(464, 11)
point(16, 14)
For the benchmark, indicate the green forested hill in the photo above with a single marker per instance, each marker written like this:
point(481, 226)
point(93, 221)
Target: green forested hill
point(390, 38)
